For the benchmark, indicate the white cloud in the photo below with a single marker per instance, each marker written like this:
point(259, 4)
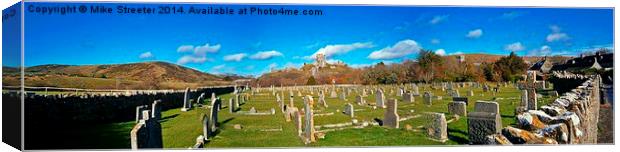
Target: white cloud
point(199, 53)
point(441, 52)
point(235, 57)
point(556, 34)
point(474, 33)
point(146, 55)
point(292, 65)
point(556, 37)
point(264, 55)
point(517, 46)
point(437, 19)
point(191, 59)
point(185, 48)
point(400, 49)
point(207, 49)
point(544, 50)
point(435, 41)
point(332, 50)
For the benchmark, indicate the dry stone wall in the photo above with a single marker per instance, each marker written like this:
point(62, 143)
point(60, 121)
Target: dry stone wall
point(570, 119)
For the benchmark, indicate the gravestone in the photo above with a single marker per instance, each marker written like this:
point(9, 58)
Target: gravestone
point(146, 133)
point(485, 120)
point(360, 100)
point(349, 110)
point(436, 126)
point(457, 108)
point(390, 116)
point(343, 96)
point(156, 109)
point(139, 110)
point(408, 97)
point(333, 94)
point(399, 92)
point(298, 122)
point(321, 100)
point(309, 122)
point(231, 105)
point(428, 98)
point(200, 98)
point(213, 114)
point(206, 127)
point(186, 101)
point(380, 99)
point(471, 93)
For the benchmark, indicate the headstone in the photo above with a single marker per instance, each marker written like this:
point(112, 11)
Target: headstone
point(360, 100)
point(408, 97)
point(309, 122)
point(213, 114)
point(343, 96)
point(349, 110)
point(321, 100)
point(428, 98)
point(206, 127)
point(390, 117)
point(139, 110)
point(380, 99)
point(437, 127)
point(333, 94)
point(457, 108)
point(471, 93)
point(186, 101)
point(298, 122)
point(146, 133)
point(485, 120)
point(156, 109)
point(231, 105)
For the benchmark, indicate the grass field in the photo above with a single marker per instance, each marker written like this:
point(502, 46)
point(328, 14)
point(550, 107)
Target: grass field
point(180, 129)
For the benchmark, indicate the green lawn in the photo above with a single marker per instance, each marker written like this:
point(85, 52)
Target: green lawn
point(180, 129)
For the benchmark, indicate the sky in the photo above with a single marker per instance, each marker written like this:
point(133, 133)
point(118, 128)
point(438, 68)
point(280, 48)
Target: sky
point(357, 35)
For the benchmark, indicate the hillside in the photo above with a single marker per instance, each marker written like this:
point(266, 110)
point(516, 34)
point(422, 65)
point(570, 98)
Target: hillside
point(144, 75)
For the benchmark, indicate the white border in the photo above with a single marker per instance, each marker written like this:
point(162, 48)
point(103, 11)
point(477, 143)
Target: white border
point(490, 3)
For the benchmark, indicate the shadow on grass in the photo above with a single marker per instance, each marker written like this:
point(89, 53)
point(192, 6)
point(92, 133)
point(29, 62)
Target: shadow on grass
point(507, 116)
point(379, 121)
point(459, 140)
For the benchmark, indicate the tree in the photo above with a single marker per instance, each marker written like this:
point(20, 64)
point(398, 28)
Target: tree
point(510, 67)
point(429, 61)
point(311, 81)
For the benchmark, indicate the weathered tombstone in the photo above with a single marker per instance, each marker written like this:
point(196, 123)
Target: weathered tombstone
point(428, 98)
point(400, 92)
point(309, 122)
point(333, 94)
point(298, 122)
point(437, 127)
point(139, 110)
point(380, 99)
point(156, 109)
point(206, 127)
point(360, 100)
point(321, 100)
point(408, 97)
point(200, 98)
point(146, 133)
point(291, 102)
point(484, 121)
point(186, 101)
point(231, 105)
point(457, 108)
point(213, 115)
point(349, 110)
point(390, 117)
point(343, 96)
point(471, 93)
point(236, 99)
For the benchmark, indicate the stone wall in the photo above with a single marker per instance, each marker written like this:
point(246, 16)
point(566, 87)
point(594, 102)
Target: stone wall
point(102, 108)
point(570, 119)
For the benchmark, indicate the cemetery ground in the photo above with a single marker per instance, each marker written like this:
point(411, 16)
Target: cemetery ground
point(180, 129)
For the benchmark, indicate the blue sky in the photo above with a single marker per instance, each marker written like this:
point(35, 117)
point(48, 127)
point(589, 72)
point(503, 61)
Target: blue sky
point(356, 35)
